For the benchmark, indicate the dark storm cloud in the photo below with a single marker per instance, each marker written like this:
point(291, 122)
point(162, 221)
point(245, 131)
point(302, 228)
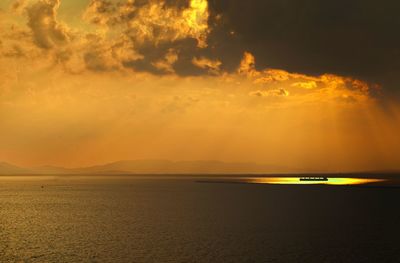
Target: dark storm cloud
point(221, 45)
point(153, 30)
point(186, 49)
point(352, 38)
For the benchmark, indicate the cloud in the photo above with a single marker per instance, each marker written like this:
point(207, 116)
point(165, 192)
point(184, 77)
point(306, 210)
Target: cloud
point(166, 64)
point(154, 22)
point(18, 6)
point(157, 23)
point(268, 93)
point(150, 30)
point(179, 37)
point(247, 65)
point(300, 87)
point(101, 12)
point(306, 84)
point(212, 66)
point(101, 54)
point(15, 41)
point(354, 39)
point(42, 20)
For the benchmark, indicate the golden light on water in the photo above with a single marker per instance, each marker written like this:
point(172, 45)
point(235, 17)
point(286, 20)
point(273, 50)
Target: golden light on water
point(330, 181)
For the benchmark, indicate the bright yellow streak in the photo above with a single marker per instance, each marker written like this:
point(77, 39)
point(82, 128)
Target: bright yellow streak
point(331, 181)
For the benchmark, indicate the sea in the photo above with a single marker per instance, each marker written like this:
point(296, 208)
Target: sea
point(189, 219)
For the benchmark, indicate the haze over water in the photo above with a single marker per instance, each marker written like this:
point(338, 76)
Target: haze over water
point(139, 219)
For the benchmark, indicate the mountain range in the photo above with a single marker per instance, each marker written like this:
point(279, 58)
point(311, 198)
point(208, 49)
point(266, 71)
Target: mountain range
point(149, 167)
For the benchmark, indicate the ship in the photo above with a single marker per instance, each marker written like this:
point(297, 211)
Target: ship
point(323, 179)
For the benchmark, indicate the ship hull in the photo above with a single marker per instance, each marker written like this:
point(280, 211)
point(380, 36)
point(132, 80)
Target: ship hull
point(314, 179)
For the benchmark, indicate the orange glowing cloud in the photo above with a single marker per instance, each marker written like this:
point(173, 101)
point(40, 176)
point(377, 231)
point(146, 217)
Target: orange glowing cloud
point(213, 66)
point(324, 88)
point(155, 21)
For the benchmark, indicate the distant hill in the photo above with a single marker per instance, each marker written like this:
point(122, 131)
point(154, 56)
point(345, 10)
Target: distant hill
point(182, 167)
point(151, 167)
point(48, 169)
point(9, 169)
point(179, 167)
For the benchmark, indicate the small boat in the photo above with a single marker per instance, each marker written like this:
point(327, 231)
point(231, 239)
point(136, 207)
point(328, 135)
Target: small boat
point(313, 178)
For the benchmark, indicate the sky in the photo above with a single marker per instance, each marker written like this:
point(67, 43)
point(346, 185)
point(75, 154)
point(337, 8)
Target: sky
point(309, 85)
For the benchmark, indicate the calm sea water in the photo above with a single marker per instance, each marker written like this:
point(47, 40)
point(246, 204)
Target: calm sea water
point(133, 219)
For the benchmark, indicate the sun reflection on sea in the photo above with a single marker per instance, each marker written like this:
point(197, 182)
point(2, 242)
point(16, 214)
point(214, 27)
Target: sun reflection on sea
point(296, 180)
